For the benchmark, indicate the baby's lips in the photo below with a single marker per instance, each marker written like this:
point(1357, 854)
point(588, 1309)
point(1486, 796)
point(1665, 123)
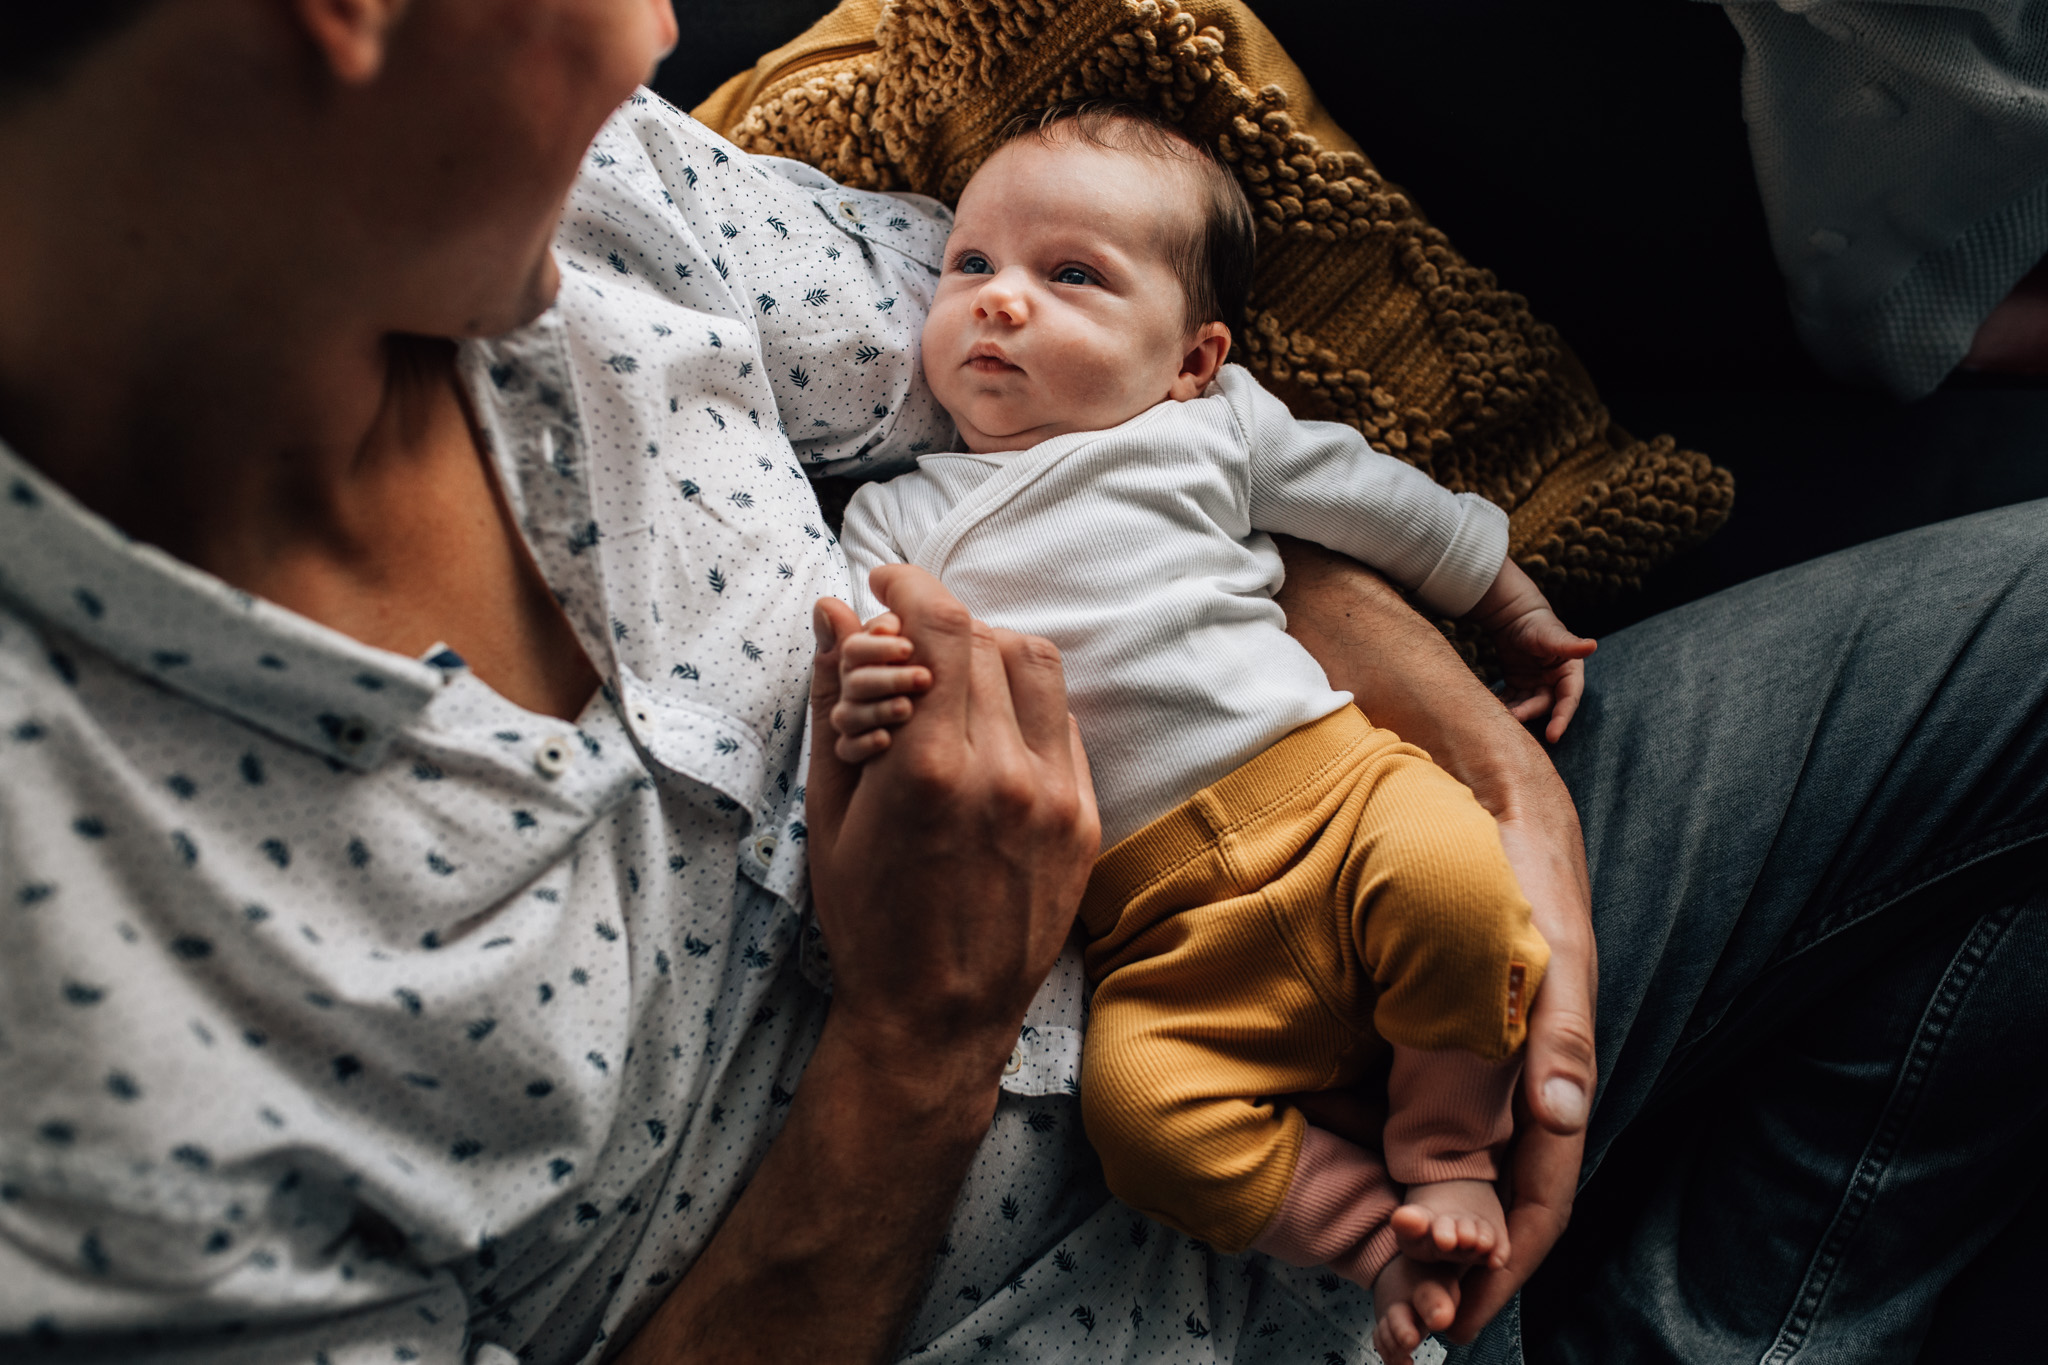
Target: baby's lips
point(998, 360)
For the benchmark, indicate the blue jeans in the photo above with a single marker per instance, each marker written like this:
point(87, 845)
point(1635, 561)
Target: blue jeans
point(1816, 814)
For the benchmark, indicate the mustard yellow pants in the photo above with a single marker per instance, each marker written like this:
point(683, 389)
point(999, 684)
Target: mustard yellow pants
point(1273, 935)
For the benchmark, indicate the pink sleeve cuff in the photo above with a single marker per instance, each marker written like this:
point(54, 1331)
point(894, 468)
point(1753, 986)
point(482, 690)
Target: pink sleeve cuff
point(1336, 1211)
point(1449, 1115)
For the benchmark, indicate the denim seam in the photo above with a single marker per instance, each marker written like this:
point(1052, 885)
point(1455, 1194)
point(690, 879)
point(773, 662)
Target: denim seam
point(1862, 1189)
point(1926, 874)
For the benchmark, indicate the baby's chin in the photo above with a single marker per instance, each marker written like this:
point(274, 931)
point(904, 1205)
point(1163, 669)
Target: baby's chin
point(987, 429)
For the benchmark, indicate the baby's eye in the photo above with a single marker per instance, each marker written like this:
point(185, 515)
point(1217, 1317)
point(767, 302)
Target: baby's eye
point(1074, 274)
point(974, 265)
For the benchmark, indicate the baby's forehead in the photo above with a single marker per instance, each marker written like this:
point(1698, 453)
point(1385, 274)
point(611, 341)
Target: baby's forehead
point(1168, 182)
point(1080, 153)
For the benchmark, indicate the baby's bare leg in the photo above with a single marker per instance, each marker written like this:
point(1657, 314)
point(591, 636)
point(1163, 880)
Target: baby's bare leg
point(876, 684)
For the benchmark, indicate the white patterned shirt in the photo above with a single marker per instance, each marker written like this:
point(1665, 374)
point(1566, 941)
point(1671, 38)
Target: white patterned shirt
point(350, 1013)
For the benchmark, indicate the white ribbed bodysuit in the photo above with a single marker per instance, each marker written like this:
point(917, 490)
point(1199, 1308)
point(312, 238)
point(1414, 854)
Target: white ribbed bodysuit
point(1142, 553)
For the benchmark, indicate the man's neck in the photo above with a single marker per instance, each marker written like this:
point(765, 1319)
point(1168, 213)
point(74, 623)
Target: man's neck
point(170, 365)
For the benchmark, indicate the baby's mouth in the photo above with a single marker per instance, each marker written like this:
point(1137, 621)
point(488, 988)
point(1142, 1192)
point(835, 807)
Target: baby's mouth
point(986, 359)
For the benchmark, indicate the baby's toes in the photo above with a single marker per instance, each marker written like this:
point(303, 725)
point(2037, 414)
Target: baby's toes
point(1396, 1334)
point(1436, 1303)
point(1413, 1228)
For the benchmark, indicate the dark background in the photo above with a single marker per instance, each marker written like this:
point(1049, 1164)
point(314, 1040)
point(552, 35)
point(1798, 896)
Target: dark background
point(1592, 153)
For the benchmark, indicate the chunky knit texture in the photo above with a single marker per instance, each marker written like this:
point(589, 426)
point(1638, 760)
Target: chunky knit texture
point(1362, 312)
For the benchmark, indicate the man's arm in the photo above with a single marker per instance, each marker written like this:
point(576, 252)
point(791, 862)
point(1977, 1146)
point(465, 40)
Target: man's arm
point(946, 873)
point(1406, 676)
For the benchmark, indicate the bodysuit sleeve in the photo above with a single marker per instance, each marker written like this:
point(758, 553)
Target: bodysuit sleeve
point(869, 539)
point(1322, 482)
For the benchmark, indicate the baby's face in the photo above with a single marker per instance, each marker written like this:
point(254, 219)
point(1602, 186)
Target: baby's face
point(1058, 310)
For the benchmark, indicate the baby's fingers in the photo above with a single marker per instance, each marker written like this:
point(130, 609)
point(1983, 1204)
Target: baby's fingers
point(868, 650)
point(1571, 686)
point(1526, 706)
point(873, 684)
point(851, 718)
point(861, 748)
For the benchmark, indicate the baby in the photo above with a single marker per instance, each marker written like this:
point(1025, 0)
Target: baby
point(1291, 900)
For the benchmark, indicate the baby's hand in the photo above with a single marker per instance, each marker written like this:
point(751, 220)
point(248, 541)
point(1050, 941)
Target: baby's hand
point(876, 682)
point(1543, 663)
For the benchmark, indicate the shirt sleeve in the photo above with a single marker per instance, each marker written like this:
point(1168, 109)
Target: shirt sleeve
point(869, 539)
point(1902, 153)
point(830, 285)
point(130, 1282)
point(1322, 482)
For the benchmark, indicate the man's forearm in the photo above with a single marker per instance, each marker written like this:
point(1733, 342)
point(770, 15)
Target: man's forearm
point(827, 1251)
point(1407, 678)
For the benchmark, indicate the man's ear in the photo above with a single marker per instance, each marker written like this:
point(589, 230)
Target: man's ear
point(1204, 358)
point(352, 36)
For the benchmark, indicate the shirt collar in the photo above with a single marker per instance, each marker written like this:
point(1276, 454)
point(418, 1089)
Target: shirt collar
point(77, 575)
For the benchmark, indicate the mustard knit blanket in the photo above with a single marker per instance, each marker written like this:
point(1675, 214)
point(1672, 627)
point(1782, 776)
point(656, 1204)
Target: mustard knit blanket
point(1361, 312)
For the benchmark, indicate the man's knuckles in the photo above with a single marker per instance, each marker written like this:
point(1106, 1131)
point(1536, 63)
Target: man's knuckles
point(1564, 1037)
point(939, 616)
point(1030, 653)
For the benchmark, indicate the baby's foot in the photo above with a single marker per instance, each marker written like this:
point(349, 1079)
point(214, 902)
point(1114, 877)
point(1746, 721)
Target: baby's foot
point(1459, 1221)
point(1409, 1301)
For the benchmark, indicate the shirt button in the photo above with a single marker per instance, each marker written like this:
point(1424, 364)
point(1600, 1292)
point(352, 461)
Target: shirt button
point(1016, 1062)
point(552, 759)
point(764, 848)
point(850, 209)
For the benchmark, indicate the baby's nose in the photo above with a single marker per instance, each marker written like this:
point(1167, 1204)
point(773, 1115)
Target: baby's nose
point(1006, 305)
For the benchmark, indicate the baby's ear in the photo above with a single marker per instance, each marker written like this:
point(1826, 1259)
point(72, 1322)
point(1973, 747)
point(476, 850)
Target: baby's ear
point(1204, 358)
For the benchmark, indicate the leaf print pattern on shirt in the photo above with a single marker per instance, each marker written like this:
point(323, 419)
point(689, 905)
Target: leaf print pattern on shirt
point(496, 992)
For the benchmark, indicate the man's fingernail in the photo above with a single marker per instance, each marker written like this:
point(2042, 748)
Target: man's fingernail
point(821, 626)
point(1566, 1099)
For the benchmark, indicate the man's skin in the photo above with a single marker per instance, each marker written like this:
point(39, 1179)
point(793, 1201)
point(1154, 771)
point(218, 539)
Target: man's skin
point(2014, 338)
point(228, 228)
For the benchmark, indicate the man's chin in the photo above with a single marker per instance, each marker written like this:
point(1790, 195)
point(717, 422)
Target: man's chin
point(531, 299)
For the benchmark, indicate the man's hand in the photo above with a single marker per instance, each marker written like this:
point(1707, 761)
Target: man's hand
point(946, 873)
point(2013, 338)
point(1547, 853)
point(1407, 678)
point(947, 870)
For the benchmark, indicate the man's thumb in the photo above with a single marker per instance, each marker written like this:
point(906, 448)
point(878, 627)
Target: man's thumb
point(829, 787)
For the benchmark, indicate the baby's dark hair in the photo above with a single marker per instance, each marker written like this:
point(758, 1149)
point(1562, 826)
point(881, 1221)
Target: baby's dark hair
point(1213, 259)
